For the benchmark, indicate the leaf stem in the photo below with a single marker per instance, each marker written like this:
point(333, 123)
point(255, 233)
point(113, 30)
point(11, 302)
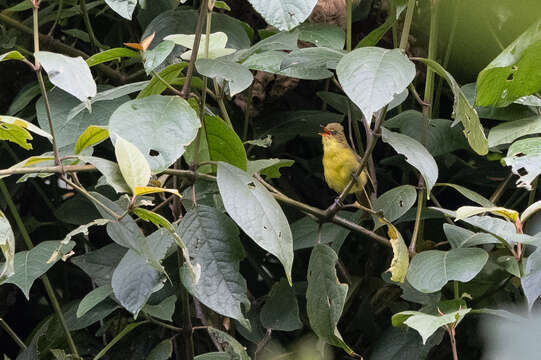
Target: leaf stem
point(451, 332)
point(349, 10)
point(12, 334)
point(44, 278)
point(88, 25)
point(420, 199)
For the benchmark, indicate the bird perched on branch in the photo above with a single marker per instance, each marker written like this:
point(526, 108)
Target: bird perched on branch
point(340, 162)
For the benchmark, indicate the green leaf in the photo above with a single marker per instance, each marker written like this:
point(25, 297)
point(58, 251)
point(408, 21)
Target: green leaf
point(99, 264)
point(470, 194)
point(325, 296)
point(230, 344)
point(163, 310)
point(415, 153)
point(93, 135)
point(156, 86)
point(430, 270)
point(207, 193)
point(268, 61)
point(216, 45)
point(16, 135)
point(258, 214)
point(70, 74)
point(31, 264)
point(305, 231)
point(123, 8)
point(442, 138)
point(162, 351)
point(531, 281)
point(284, 14)
point(7, 246)
point(459, 237)
point(23, 98)
point(155, 218)
point(403, 344)
point(382, 72)
point(155, 57)
point(270, 168)
point(514, 72)
point(463, 111)
point(93, 298)
point(508, 132)
point(133, 281)
point(222, 5)
point(400, 262)
point(214, 356)
point(133, 165)
point(213, 241)
point(281, 309)
point(323, 35)
point(173, 122)
point(111, 172)
point(395, 202)
point(24, 124)
point(110, 55)
point(11, 55)
point(67, 129)
point(232, 77)
point(426, 324)
point(78, 34)
point(310, 63)
point(524, 157)
point(223, 143)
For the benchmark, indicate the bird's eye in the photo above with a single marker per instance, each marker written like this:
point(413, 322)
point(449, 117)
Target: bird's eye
point(333, 132)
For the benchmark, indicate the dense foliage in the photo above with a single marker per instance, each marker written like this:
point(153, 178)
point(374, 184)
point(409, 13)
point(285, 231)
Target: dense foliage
point(162, 191)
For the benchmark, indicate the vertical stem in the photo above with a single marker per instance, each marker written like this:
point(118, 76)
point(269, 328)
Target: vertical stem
point(432, 55)
point(186, 313)
point(247, 114)
point(531, 197)
point(349, 10)
point(456, 290)
point(37, 67)
point(12, 334)
point(88, 25)
point(407, 25)
point(420, 199)
point(451, 332)
point(198, 29)
point(46, 283)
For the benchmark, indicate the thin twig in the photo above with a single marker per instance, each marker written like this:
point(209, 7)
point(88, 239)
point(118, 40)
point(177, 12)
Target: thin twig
point(186, 89)
point(12, 334)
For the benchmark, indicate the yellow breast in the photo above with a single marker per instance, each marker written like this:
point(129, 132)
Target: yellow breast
point(339, 162)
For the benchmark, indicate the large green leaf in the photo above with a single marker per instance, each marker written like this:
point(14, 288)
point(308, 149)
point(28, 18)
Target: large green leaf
point(99, 264)
point(231, 346)
point(459, 237)
point(213, 241)
point(426, 324)
point(441, 136)
point(325, 296)
point(133, 165)
point(216, 45)
point(415, 153)
point(168, 122)
point(223, 143)
point(310, 63)
point(123, 8)
point(70, 74)
point(395, 202)
point(281, 309)
point(524, 157)
point(66, 129)
point(514, 72)
point(531, 281)
point(508, 132)
point(371, 76)
point(284, 14)
point(93, 298)
point(231, 76)
point(463, 111)
point(430, 270)
point(258, 214)
point(31, 264)
point(323, 35)
point(7, 246)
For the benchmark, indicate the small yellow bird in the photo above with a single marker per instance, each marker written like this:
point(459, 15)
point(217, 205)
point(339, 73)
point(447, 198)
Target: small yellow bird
point(340, 162)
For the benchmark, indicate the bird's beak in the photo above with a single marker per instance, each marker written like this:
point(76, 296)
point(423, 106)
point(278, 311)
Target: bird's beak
point(324, 131)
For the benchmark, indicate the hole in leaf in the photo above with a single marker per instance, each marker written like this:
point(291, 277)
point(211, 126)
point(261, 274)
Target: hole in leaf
point(264, 227)
point(522, 171)
point(520, 154)
point(401, 203)
point(153, 152)
point(510, 77)
point(251, 185)
point(4, 127)
point(279, 234)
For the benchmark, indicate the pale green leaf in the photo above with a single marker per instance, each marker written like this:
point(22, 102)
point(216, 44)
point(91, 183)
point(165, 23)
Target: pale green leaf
point(93, 298)
point(111, 172)
point(382, 73)
point(524, 157)
point(254, 209)
point(509, 131)
point(7, 246)
point(93, 135)
point(400, 262)
point(123, 8)
point(132, 163)
point(232, 77)
point(466, 211)
point(284, 14)
point(164, 310)
point(11, 55)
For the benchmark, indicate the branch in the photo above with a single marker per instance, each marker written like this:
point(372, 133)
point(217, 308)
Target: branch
point(320, 214)
point(199, 28)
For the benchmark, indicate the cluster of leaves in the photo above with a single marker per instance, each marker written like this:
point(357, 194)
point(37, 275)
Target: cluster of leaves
point(166, 164)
